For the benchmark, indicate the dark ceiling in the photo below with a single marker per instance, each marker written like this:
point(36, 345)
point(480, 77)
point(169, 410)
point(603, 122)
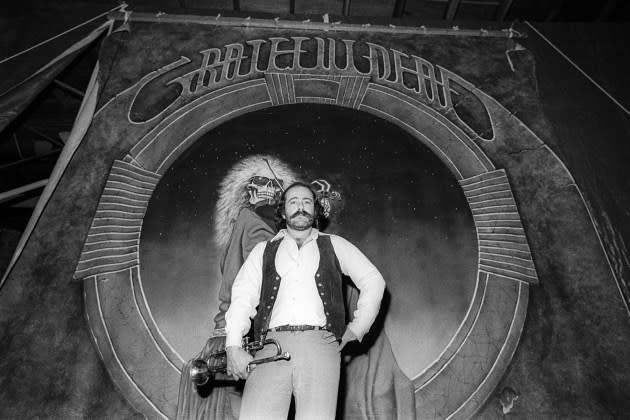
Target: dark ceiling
point(30, 145)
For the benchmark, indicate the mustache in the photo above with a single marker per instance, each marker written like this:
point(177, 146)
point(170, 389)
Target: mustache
point(301, 213)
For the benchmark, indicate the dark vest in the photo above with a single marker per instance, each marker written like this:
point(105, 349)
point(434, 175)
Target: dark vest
point(328, 279)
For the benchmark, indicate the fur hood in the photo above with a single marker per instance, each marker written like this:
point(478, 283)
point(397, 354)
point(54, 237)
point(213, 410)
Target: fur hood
point(233, 195)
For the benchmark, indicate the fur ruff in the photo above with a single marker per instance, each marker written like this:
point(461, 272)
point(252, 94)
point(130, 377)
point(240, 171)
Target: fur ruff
point(233, 195)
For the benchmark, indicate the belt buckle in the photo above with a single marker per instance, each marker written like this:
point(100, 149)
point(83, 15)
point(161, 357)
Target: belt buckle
point(297, 328)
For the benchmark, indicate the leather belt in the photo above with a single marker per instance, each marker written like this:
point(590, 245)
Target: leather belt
point(296, 328)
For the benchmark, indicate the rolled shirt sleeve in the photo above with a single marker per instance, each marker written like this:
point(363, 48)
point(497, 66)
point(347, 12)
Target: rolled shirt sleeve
point(245, 297)
point(368, 280)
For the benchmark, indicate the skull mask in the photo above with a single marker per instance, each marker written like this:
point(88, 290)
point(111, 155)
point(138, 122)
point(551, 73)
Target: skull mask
point(261, 188)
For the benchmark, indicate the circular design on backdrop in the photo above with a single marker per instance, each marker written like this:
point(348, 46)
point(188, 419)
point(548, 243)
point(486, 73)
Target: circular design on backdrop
point(401, 206)
point(144, 362)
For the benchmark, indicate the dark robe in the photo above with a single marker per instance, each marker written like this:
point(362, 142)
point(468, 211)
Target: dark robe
point(372, 384)
point(223, 400)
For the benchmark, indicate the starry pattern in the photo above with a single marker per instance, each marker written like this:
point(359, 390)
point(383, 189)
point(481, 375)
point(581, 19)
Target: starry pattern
point(400, 205)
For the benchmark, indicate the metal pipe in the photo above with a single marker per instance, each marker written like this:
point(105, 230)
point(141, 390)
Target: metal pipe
point(503, 10)
point(44, 136)
point(399, 8)
point(302, 25)
point(346, 7)
point(69, 88)
point(451, 9)
point(30, 159)
point(16, 192)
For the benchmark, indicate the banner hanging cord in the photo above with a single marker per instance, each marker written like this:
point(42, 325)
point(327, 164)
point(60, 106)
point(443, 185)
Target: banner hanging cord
point(578, 68)
point(121, 8)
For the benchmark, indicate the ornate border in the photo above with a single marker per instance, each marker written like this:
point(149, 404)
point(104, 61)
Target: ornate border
point(118, 313)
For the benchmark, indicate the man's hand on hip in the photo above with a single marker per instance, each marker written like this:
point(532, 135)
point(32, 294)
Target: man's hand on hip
point(237, 361)
point(348, 336)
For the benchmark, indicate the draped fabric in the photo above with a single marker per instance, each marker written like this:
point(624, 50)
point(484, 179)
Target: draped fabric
point(590, 131)
point(372, 384)
point(564, 340)
point(222, 401)
point(375, 386)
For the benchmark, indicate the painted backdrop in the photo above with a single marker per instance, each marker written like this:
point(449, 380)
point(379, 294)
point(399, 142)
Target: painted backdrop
point(394, 127)
point(459, 203)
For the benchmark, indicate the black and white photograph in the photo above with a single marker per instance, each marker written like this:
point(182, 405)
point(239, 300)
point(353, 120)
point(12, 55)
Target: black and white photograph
point(314, 210)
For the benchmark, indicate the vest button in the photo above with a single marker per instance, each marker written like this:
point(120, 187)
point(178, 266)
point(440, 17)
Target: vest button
point(327, 313)
point(320, 284)
point(268, 307)
point(325, 303)
point(322, 293)
point(273, 297)
point(277, 278)
point(317, 275)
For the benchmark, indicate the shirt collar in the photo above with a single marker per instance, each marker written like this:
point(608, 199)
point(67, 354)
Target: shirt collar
point(283, 233)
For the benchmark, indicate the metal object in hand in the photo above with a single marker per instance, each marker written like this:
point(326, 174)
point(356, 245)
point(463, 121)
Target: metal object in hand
point(204, 370)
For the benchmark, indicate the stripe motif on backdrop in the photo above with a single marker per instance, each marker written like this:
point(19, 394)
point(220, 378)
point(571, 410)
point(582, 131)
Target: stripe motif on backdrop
point(503, 247)
point(114, 236)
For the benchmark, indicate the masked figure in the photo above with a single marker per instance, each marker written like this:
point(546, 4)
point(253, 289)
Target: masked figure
point(244, 216)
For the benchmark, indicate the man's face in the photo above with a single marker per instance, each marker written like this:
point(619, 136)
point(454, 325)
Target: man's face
point(299, 208)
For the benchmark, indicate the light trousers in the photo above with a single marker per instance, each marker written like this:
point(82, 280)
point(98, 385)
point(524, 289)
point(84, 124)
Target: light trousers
point(311, 376)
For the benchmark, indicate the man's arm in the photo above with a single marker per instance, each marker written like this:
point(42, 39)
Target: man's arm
point(245, 298)
point(368, 280)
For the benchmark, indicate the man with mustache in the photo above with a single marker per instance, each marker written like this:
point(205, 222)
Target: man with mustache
point(291, 286)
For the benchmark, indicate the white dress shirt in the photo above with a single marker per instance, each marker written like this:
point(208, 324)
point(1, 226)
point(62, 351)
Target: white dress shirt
point(298, 301)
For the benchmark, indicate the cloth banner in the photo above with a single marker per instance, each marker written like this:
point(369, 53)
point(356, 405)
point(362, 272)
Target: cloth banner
point(415, 139)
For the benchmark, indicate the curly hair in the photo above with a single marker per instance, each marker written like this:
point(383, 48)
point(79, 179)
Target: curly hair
point(319, 220)
point(233, 195)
